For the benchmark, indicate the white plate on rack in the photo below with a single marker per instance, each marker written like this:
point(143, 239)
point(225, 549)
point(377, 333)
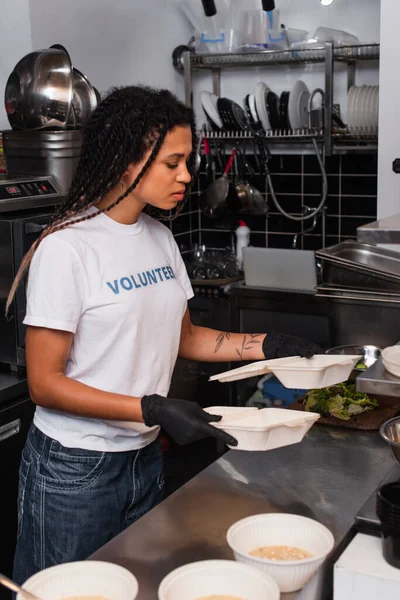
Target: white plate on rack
point(209, 104)
point(298, 106)
point(253, 110)
point(261, 105)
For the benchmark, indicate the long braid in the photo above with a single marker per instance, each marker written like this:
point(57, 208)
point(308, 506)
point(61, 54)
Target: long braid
point(126, 124)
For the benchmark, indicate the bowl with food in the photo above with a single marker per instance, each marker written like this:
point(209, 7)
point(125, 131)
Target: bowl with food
point(83, 580)
point(218, 580)
point(288, 547)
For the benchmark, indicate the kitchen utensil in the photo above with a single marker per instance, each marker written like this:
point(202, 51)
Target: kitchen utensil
point(390, 432)
point(250, 112)
point(39, 91)
point(341, 275)
point(362, 266)
point(298, 105)
point(217, 578)
point(220, 194)
point(277, 529)
point(272, 104)
point(265, 429)
point(14, 587)
point(277, 268)
point(232, 115)
point(260, 95)
point(248, 200)
point(388, 511)
point(370, 354)
point(84, 98)
point(294, 372)
point(283, 111)
point(209, 104)
point(367, 421)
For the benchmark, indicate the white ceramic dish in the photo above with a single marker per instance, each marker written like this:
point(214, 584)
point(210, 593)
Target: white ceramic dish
point(209, 104)
point(298, 105)
point(260, 95)
point(322, 370)
point(278, 529)
point(213, 577)
point(391, 360)
point(83, 578)
point(265, 429)
point(253, 110)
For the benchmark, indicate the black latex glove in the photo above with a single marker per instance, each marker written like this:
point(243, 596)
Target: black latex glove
point(185, 421)
point(279, 345)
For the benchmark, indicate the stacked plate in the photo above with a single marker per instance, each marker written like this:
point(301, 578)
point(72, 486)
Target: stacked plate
point(263, 110)
point(363, 107)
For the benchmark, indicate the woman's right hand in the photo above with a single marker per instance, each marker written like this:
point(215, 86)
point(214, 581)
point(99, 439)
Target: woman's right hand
point(183, 420)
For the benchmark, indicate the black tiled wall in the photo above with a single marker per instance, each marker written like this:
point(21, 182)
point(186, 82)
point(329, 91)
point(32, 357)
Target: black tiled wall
point(352, 201)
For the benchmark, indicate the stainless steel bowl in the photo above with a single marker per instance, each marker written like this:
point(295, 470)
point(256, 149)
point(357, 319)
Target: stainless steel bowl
point(84, 100)
point(390, 432)
point(39, 91)
point(370, 354)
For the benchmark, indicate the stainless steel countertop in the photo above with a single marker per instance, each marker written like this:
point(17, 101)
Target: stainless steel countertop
point(328, 477)
point(382, 231)
point(376, 380)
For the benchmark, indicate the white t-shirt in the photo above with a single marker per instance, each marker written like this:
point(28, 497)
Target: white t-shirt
point(123, 291)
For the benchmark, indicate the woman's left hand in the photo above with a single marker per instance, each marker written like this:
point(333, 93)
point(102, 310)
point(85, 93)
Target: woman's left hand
point(280, 345)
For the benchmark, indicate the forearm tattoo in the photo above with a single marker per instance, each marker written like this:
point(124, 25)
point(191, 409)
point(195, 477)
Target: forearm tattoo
point(248, 341)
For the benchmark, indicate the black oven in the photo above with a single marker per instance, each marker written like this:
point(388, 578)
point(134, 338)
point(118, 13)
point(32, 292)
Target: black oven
point(18, 231)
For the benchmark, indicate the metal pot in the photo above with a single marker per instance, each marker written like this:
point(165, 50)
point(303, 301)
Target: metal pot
point(390, 432)
point(370, 354)
point(39, 91)
point(216, 199)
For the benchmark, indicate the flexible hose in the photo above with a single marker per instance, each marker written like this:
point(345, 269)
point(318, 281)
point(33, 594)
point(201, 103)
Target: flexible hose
point(324, 192)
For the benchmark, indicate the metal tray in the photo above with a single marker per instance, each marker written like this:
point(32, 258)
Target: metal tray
point(365, 256)
point(351, 275)
point(328, 288)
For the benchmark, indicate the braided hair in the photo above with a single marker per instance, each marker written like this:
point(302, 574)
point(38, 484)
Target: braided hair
point(128, 123)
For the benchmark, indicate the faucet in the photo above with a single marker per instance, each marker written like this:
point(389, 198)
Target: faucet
point(306, 210)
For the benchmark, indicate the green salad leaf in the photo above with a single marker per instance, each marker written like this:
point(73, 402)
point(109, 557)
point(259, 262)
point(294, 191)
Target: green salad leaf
point(341, 401)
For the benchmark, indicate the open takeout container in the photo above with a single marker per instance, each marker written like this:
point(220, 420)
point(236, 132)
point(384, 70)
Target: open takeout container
point(294, 372)
point(265, 429)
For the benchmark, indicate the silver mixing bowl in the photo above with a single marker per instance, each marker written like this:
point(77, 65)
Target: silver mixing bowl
point(390, 432)
point(370, 354)
point(39, 91)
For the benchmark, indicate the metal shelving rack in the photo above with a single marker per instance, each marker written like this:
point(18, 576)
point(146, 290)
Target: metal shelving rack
point(327, 54)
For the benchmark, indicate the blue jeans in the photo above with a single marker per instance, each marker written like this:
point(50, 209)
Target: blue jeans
point(72, 501)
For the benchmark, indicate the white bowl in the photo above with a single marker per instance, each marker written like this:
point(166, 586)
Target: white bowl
point(218, 577)
point(265, 429)
point(278, 529)
point(83, 578)
point(391, 360)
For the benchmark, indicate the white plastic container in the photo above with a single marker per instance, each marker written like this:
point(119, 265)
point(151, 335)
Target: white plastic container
point(391, 360)
point(322, 370)
point(265, 429)
point(83, 578)
point(242, 241)
point(212, 577)
point(278, 529)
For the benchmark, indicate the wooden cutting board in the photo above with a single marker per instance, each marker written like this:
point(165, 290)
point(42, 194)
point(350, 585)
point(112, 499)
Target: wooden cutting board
point(369, 421)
